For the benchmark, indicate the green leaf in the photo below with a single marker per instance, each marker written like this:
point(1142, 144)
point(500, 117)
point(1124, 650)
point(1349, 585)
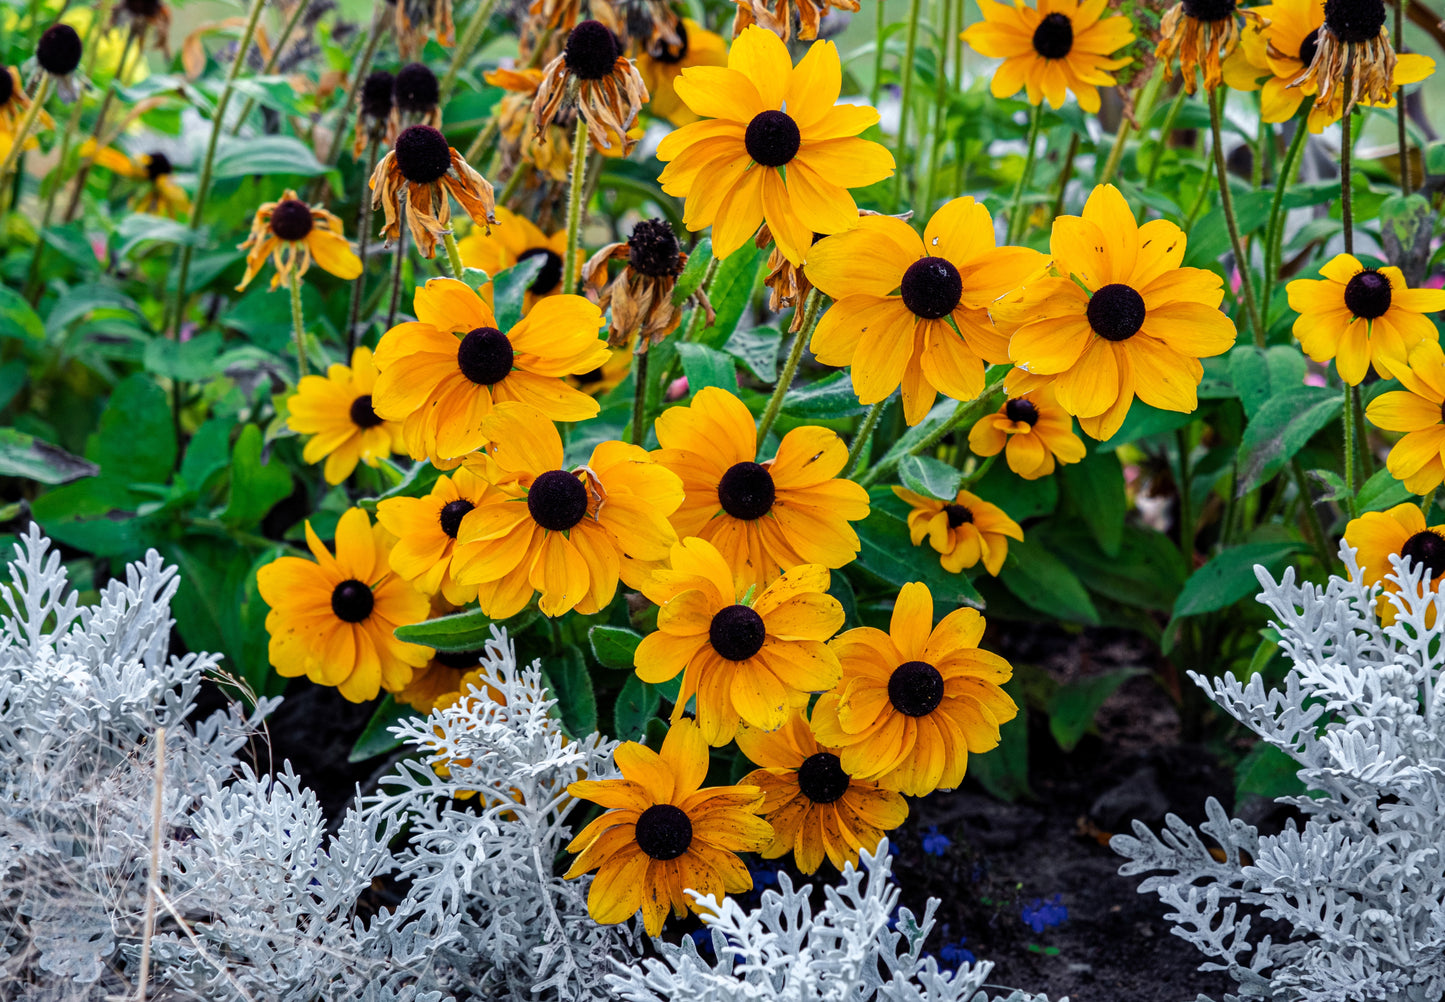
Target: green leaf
point(138, 227)
point(1004, 771)
point(1072, 708)
point(614, 646)
point(1281, 428)
point(930, 477)
point(576, 702)
point(208, 450)
point(887, 552)
point(758, 350)
point(1229, 576)
point(509, 286)
point(32, 458)
point(1019, 498)
point(1381, 491)
point(265, 155)
point(1142, 421)
point(374, 738)
point(1267, 772)
point(637, 703)
point(462, 631)
point(1260, 373)
point(706, 366)
point(1044, 582)
point(830, 397)
point(1146, 573)
point(13, 377)
point(255, 486)
point(732, 292)
point(85, 301)
point(136, 439)
point(189, 361)
point(693, 272)
point(1096, 488)
point(17, 318)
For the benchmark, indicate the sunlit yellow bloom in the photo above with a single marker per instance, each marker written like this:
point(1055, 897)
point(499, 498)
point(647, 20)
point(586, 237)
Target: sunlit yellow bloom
point(292, 234)
point(513, 240)
point(1401, 531)
point(335, 410)
point(426, 530)
point(1419, 411)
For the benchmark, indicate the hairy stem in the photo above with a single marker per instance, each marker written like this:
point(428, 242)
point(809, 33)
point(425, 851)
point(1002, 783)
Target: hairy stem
point(271, 61)
point(463, 51)
point(454, 256)
point(1016, 208)
point(396, 279)
point(363, 236)
point(860, 438)
point(1347, 121)
point(1274, 234)
point(575, 199)
point(1226, 203)
point(1400, 115)
point(298, 324)
point(639, 392)
point(812, 307)
point(17, 142)
point(132, 38)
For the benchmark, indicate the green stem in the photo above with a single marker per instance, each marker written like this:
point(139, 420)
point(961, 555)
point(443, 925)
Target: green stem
point(860, 439)
point(574, 207)
point(1226, 203)
point(275, 56)
point(454, 256)
point(1186, 501)
point(27, 123)
point(900, 183)
point(811, 307)
point(97, 131)
point(1348, 418)
point(1066, 174)
point(1428, 502)
point(966, 412)
point(396, 278)
point(1192, 217)
point(1274, 234)
point(880, 25)
point(1164, 132)
point(1362, 439)
point(470, 37)
point(1312, 515)
point(1016, 208)
point(363, 67)
point(363, 237)
point(1347, 121)
point(298, 324)
point(203, 182)
point(694, 322)
point(959, 16)
point(1116, 152)
point(1400, 115)
point(484, 139)
point(639, 392)
point(940, 108)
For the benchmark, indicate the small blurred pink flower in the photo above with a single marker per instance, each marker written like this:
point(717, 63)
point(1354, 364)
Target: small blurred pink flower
point(677, 389)
point(1315, 379)
point(1234, 281)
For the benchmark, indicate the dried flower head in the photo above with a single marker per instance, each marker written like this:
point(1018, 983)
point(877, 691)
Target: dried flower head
point(778, 15)
point(548, 154)
point(594, 75)
point(641, 295)
point(1354, 41)
point(414, 101)
point(373, 112)
point(144, 17)
point(416, 19)
point(414, 179)
point(1202, 33)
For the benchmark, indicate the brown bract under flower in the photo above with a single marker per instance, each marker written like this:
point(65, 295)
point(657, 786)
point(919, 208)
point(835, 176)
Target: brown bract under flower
point(415, 19)
point(640, 301)
point(1202, 44)
point(422, 197)
point(609, 100)
point(777, 15)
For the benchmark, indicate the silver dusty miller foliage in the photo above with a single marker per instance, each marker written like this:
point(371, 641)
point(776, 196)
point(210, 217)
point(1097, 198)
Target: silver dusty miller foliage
point(254, 899)
point(1360, 888)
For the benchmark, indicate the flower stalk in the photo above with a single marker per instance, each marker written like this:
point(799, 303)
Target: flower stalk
point(363, 234)
point(812, 308)
point(966, 412)
point(1226, 204)
point(860, 440)
point(639, 392)
point(133, 38)
point(286, 31)
point(298, 323)
point(1274, 233)
point(1347, 122)
point(454, 256)
point(910, 48)
point(1400, 113)
point(1016, 212)
point(575, 199)
point(465, 45)
point(42, 91)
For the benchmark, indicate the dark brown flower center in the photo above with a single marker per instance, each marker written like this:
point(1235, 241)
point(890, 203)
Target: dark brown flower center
point(1309, 47)
point(931, 287)
point(376, 92)
point(1209, 10)
point(746, 491)
point(58, 51)
point(452, 514)
point(1426, 549)
point(1116, 312)
point(1354, 21)
point(915, 688)
point(1019, 409)
point(557, 500)
point(550, 276)
point(291, 220)
point(363, 415)
point(822, 779)
point(957, 515)
point(7, 85)
point(1368, 294)
point(664, 53)
point(352, 601)
point(143, 8)
point(460, 659)
point(485, 356)
point(737, 633)
point(416, 89)
point(772, 138)
point(664, 831)
point(1054, 36)
point(588, 378)
point(422, 154)
point(591, 50)
point(653, 249)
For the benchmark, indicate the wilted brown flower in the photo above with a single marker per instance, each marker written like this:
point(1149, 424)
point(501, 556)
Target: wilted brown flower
point(373, 113)
point(1353, 34)
point(421, 170)
point(517, 141)
point(1202, 33)
point(151, 17)
point(788, 283)
point(593, 75)
point(415, 19)
point(777, 15)
point(641, 294)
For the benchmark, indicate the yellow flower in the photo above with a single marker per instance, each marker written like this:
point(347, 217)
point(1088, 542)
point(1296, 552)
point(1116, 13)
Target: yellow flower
point(1203, 33)
point(745, 657)
point(1032, 431)
point(292, 233)
point(417, 179)
point(664, 833)
point(426, 530)
point(443, 679)
point(661, 61)
point(333, 620)
point(915, 701)
point(815, 808)
point(515, 239)
point(934, 335)
point(1419, 412)
point(1359, 316)
point(1057, 46)
point(1401, 531)
point(730, 167)
point(159, 194)
point(336, 411)
point(963, 531)
point(1126, 319)
point(15, 104)
point(762, 517)
point(442, 385)
point(568, 534)
point(607, 377)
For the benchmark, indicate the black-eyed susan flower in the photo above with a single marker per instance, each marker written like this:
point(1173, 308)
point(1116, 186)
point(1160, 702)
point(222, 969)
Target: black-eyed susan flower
point(664, 833)
point(293, 234)
point(773, 146)
point(1419, 411)
point(640, 296)
point(746, 655)
point(158, 194)
point(762, 517)
point(415, 178)
point(1058, 46)
point(336, 411)
point(778, 16)
point(442, 374)
point(1032, 431)
point(145, 17)
point(607, 377)
point(1354, 35)
point(15, 105)
point(1125, 319)
point(663, 58)
point(58, 53)
point(1203, 34)
point(415, 92)
point(963, 531)
point(426, 531)
point(569, 534)
point(1401, 531)
point(416, 20)
point(332, 620)
point(514, 239)
point(915, 701)
point(373, 112)
point(914, 311)
point(594, 75)
point(1361, 316)
point(816, 809)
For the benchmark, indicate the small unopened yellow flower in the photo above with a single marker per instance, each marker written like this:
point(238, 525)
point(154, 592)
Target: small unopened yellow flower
point(1203, 34)
point(816, 809)
point(1032, 431)
point(1361, 316)
point(593, 75)
point(664, 833)
point(515, 239)
point(915, 701)
point(662, 59)
point(777, 15)
point(1401, 531)
point(333, 620)
point(1058, 46)
point(292, 234)
point(335, 410)
point(963, 531)
point(746, 657)
point(426, 530)
point(1419, 411)
point(417, 179)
